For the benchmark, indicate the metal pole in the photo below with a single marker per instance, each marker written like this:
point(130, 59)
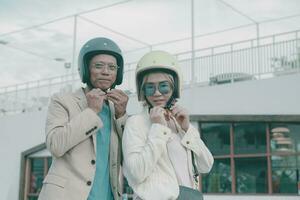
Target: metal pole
point(257, 33)
point(258, 51)
point(74, 47)
point(192, 43)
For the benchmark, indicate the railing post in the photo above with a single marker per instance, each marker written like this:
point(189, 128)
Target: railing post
point(231, 59)
point(74, 47)
point(273, 55)
point(38, 91)
point(258, 50)
point(212, 73)
point(26, 95)
point(16, 98)
point(297, 52)
point(193, 81)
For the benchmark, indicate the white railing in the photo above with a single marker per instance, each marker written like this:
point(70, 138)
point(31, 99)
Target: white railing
point(251, 59)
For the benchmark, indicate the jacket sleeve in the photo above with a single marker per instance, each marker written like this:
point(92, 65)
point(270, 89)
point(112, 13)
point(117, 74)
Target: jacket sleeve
point(63, 132)
point(142, 149)
point(193, 142)
point(120, 124)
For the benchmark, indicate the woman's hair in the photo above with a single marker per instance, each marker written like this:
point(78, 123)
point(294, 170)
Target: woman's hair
point(168, 76)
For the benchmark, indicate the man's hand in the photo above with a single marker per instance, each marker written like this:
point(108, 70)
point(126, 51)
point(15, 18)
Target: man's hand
point(120, 100)
point(95, 99)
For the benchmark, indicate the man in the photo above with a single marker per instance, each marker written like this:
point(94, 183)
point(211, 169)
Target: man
point(84, 129)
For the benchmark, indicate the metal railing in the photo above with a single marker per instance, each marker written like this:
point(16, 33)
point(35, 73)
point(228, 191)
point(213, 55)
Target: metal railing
point(246, 60)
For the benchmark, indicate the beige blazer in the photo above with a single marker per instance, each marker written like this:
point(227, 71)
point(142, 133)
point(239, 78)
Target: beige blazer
point(71, 129)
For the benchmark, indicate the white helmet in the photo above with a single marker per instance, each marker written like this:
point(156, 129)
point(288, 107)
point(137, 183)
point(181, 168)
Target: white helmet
point(158, 61)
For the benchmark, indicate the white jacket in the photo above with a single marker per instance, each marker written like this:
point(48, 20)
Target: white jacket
point(147, 166)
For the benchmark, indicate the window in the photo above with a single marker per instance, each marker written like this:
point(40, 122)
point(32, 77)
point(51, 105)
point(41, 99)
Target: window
point(37, 168)
point(218, 180)
point(220, 134)
point(285, 138)
point(285, 174)
point(249, 138)
point(285, 160)
point(252, 157)
point(251, 175)
point(35, 164)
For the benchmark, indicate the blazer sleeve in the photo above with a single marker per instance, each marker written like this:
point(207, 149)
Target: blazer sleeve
point(142, 149)
point(63, 132)
point(192, 141)
point(120, 124)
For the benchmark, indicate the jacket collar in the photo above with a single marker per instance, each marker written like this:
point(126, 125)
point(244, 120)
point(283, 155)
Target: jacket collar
point(81, 98)
point(145, 112)
point(82, 102)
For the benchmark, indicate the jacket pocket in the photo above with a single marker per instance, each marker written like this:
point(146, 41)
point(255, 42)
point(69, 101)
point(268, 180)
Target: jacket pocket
point(55, 180)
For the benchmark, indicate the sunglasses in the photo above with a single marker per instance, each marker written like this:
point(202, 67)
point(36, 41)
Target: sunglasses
point(163, 87)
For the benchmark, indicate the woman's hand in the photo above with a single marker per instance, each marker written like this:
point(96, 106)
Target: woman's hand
point(157, 115)
point(182, 117)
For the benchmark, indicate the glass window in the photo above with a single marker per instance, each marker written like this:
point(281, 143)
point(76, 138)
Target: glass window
point(250, 157)
point(219, 179)
point(38, 169)
point(285, 174)
point(217, 137)
point(251, 175)
point(33, 198)
point(36, 175)
point(285, 138)
point(249, 138)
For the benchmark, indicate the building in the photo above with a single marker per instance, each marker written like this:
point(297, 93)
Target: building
point(252, 128)
point(243, 96)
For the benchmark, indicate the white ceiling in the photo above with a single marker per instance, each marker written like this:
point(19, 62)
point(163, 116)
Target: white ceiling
point(37, 32)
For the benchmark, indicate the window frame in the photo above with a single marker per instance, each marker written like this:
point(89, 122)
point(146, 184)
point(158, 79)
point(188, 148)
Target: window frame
point(25, 170)
point(232, 119)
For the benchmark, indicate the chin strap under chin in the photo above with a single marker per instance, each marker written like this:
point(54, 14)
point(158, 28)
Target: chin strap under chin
point(168, 105)
point(170, 102)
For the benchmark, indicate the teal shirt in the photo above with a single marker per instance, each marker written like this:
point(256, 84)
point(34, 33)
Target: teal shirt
point(101, 189)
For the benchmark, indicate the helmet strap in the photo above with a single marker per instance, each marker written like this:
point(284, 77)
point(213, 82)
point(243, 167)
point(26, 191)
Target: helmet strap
point(170, 102)
point(90, 86)
point(150, 106)
point(168, 105)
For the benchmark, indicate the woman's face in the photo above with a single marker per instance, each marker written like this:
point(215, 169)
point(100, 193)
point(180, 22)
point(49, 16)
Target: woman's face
point(157, 89)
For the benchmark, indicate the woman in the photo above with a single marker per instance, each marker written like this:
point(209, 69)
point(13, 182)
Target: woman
point(158, 143)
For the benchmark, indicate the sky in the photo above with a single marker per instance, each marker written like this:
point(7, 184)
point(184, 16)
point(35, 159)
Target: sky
point(37, 37)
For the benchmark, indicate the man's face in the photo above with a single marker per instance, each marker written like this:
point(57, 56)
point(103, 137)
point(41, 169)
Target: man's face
point(103, 71)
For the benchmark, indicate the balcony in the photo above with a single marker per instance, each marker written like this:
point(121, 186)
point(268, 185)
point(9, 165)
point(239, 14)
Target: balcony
point(267, 57)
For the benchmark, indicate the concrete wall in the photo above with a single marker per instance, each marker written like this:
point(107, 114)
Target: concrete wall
point(275, 96)
point(18, 133)
point(279, 95)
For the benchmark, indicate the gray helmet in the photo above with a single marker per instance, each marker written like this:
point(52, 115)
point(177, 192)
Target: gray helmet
point(99, 46)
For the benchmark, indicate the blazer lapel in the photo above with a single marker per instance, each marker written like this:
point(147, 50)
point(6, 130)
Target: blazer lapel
point(82, 103)
point(81, 99)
